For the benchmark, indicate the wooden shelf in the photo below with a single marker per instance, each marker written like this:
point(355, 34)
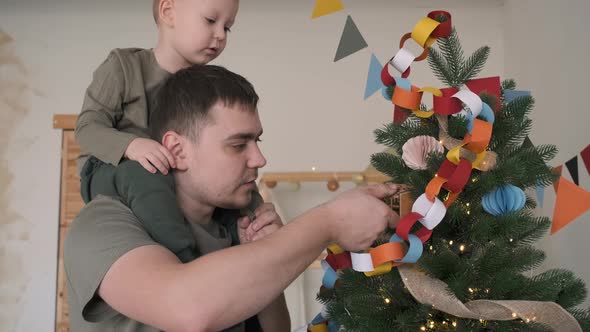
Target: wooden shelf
point(271, 179)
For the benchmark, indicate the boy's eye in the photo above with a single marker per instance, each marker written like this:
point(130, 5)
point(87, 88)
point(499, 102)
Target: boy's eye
point(239, 147)
point(210, 20)
point(227, 29)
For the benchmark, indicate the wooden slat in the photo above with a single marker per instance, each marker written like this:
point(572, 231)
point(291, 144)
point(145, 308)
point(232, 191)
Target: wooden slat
point(69, 208)
point(369, 176)
point(65, 121)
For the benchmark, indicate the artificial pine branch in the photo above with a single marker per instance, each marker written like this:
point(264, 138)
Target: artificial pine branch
point(474, 64)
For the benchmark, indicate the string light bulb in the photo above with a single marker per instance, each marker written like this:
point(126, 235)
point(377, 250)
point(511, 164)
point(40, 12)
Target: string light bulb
point(451, 242)
point(462, 247)
point(387, 301)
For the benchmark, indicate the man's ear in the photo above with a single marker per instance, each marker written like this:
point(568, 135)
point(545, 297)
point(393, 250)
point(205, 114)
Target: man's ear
point(177, 145)
point(166, 12)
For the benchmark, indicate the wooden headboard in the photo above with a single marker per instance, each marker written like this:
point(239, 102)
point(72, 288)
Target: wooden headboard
point(71, 202)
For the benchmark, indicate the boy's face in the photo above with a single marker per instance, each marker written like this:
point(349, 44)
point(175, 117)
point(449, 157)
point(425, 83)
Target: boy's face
point(200, 29)
point(223, 163)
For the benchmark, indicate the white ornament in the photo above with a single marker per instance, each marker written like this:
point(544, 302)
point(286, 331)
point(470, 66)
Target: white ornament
point(416, 150)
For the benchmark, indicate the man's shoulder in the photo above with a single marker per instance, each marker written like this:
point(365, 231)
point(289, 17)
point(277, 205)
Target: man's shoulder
point(104, 219)
point(104, 230)
point(102, 207)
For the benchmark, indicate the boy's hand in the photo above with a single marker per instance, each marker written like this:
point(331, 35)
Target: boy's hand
point(151, 155)
point(267, 221)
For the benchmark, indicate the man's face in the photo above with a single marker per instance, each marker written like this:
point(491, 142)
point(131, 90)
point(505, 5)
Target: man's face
point(223, 163)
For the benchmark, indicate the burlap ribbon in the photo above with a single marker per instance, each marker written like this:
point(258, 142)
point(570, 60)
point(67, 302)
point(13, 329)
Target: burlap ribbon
point(428, 290)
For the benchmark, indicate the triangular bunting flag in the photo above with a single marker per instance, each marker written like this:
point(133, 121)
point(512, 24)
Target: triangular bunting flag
point(374, 83)
point(527, 143)
point(325, 7)
point(571, 202)
point(572, 166)
point(586, 157)
point(557, 170)
point(509, 95)
point(351, 41)
point(540, 194)
point(489, 85)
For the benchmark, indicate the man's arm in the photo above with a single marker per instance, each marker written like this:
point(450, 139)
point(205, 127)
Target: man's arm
point(220, 289)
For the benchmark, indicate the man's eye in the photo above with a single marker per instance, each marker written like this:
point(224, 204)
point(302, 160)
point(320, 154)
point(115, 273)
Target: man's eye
point(239, 146)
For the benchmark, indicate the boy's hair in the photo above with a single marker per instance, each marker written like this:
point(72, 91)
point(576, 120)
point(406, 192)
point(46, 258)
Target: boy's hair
point(156, 10)
point(184, 100)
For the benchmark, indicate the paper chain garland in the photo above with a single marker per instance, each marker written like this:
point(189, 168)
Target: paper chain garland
point(452, 175)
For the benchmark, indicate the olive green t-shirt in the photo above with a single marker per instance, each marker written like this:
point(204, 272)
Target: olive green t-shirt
point(104, 231)
point(117, 104)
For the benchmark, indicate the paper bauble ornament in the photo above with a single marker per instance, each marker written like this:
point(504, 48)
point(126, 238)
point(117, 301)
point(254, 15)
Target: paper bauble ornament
point(505, 199)
point(416, 150)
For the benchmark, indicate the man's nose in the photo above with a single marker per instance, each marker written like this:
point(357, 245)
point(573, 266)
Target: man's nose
point(257, 159)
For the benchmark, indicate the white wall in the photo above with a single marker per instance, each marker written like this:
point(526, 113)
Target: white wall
point(546, 53)
point(312, 108)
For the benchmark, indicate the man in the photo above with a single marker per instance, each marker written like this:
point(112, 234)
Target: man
point(120, 279)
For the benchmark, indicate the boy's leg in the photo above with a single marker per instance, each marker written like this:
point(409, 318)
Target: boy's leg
point(152, 197)
point(97, 178)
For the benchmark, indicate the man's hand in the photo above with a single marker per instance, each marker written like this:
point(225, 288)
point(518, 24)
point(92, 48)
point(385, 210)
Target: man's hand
point(358, 216)
point(151, 155)
point(267, 221)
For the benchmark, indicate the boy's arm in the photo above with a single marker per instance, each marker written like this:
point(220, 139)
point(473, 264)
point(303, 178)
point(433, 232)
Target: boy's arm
point(102, 108)
point(275, 317)
point(222, 288)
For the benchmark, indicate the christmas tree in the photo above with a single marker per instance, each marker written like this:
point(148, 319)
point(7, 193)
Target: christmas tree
point(483, 249)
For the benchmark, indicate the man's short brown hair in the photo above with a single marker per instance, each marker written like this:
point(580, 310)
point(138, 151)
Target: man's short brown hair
point(185, 99)
point(156, 10)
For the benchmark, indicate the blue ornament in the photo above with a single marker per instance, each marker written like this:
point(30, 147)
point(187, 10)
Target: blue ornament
point(505, 199)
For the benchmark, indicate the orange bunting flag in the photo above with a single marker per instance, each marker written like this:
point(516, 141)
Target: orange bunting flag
point(325, 7)
point(571, 202)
